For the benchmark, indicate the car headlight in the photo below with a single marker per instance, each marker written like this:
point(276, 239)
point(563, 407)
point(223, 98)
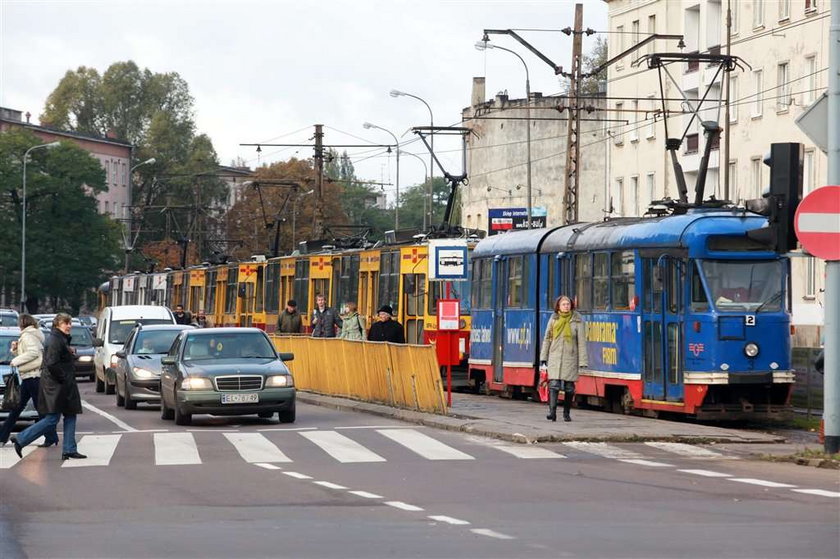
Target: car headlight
point(280, 381)
point(140, 372)
point(751, 349)
point(196, 383)
point(85, 359)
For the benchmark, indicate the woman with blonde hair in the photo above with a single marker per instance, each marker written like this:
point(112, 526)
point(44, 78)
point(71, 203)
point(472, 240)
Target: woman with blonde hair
point(563, 354)
point(353, 325)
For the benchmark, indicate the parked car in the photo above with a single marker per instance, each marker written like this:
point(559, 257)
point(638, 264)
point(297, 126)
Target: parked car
point(8, 318)
point(81, 341)
point(7, 336)
point(138, 363)
point(225, 371)
point(89, 322)
point(114, 326)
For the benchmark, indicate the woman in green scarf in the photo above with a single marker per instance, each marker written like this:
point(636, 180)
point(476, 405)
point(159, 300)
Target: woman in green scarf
point(563, 354)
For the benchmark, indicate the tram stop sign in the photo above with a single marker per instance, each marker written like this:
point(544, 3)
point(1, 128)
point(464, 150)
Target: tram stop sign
point(817, 223)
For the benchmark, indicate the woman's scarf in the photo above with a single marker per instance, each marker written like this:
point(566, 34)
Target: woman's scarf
point(562, 325)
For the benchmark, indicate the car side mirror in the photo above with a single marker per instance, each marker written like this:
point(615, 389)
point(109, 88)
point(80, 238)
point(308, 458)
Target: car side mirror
point(98, 342)
point(287, 356)
point(120, 354)
point(167, 360)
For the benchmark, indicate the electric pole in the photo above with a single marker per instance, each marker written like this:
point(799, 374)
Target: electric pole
point(318, 215)
point(570, 194)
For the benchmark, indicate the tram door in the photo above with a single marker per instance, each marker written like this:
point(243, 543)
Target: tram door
point(499, 278)
point(662, 317)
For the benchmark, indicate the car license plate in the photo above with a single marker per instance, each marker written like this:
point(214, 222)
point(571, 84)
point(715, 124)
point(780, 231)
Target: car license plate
point(251, 398)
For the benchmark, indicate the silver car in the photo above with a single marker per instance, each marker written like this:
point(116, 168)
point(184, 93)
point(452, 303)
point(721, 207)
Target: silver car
point(7, 336)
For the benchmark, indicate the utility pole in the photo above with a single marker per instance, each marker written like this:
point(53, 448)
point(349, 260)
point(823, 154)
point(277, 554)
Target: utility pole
point(570, 193)
point(318, 215)
point(725, 162)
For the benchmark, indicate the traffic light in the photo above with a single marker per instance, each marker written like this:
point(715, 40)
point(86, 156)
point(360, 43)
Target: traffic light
point(785, 162)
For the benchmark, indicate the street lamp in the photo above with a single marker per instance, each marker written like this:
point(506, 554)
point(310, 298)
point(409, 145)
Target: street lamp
point(23, 226)
point(483, 45)
point(368, 125)
point(426, 174)
point(398, 93)
point(127, 242)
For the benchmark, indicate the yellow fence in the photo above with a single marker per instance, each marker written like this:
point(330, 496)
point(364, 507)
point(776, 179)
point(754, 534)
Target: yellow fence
point(405, 376)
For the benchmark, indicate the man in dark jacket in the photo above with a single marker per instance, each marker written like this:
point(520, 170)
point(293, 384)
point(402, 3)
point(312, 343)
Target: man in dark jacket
point(58, 393)
point(386, 329)
point(325, 321)
point(289, 321)
point(182, 316)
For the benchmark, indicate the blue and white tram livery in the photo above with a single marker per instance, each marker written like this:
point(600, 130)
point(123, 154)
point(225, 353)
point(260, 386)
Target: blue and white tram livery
point(683, 313)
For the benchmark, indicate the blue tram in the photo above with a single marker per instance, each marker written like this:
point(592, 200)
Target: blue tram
point(683, 313)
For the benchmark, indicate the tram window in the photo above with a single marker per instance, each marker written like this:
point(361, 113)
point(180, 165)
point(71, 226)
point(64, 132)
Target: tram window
point(272, 287)
point(486, 301)
point(475, 274)
point(389, 275)
point(699, 301)
point(259, 293)
point(673, 353)
point(600, 281)
point(514, 283)
point(738, 286)
point(649, 349)
point(461, 291)
point(302, 284)
point(348, 280)
point(210, 286)
point(321, 287)
point(656, 351)
point(230, 289)
point(623, 281)
point(583, 282)
point(675, 288)
point(415, 288)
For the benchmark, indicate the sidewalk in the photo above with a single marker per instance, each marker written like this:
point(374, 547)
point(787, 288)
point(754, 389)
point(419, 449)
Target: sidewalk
point(524, 422)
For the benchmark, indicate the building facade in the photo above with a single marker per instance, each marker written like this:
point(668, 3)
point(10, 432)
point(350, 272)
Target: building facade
point(782, 45)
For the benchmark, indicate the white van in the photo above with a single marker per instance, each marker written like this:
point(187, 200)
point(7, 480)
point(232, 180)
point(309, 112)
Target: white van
point(112, 329)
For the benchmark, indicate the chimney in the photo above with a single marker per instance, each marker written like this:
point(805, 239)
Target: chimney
point(477, 92)
point(28, 114)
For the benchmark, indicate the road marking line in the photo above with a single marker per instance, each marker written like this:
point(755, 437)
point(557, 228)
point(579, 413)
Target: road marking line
point(329, 485)
point(134, 431)
point(528, 452)
point(366, 495)
point(341, 448)
point(173, 449)
point(254, 447)
point(685, 450)
point(98, 448)
point(646, 463)
point(268, 466)
point(403, 506)
point(375, 427)
point(491, 534)
point(760, 482)
point(818, 492)
point(424, 445)
point(8, 456)
point(449, 520)
point(603, 449)
point(119, 423)
point(705, 473)
point(297, 475)
point(288, 429)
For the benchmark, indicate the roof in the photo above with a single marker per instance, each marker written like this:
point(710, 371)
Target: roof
point(68, 133)
point(513, 242)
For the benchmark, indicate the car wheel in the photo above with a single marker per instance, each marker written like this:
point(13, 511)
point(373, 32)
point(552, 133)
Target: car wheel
point(165, 412)
point(100, 385)
point(130, 403)
point(181, 418)
point(110, 388)
point(287, 416)
point(120, 398)
point(266, 414)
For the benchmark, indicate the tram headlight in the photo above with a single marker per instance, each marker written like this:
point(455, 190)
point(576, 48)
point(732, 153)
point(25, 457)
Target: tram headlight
point(751, 350)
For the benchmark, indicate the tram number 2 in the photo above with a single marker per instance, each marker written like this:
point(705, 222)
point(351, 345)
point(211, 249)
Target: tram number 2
point(609, 355)
point(749, 320)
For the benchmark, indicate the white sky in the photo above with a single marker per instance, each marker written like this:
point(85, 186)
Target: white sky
point(267, 71)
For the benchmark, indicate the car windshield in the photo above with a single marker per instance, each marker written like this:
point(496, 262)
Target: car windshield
point(120, 329)
point(745, 286)
point(6, 354)
point(80, 336)
point(233, 345)
point(8, 319)
point(154, 341)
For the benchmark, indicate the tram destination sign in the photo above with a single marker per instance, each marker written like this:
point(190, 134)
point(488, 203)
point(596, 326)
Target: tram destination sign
point(817, 223)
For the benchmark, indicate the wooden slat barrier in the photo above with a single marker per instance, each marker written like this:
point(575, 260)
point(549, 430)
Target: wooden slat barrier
point(404, 376)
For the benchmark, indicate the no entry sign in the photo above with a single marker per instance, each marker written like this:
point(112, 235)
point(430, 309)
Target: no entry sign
point(817, 223)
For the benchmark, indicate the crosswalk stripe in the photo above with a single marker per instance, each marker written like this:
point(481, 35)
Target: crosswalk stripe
point(99, 450)
point(705, 473)
point(173, 449)
point(819, 492)
point(640, 462)
point(366, 495)
point(683, 449)
point(604, 450)
point(341, 448)
point(528, 452)
point(761, 482)
point(424, 445)
point(8, 456)
point(448, 520)
point(254, 447)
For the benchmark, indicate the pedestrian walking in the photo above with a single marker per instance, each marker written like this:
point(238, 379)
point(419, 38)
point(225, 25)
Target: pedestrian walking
point(58, 393)
point(353, 325)
point(290, 321)
point(181, 316)
point(29, 355)
point(201, 320)
point(386, 329)
point(325, 321)
point(563, 354)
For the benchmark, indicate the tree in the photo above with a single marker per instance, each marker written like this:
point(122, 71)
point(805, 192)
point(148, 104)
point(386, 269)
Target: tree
point(70, 246)
point(593, 85)
point(358, 198)
point(414, 200)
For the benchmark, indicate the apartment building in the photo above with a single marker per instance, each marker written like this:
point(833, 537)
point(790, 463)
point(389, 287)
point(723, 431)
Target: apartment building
point(782, 45)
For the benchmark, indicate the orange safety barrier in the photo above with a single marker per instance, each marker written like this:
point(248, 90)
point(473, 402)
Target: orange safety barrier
point(399, 375)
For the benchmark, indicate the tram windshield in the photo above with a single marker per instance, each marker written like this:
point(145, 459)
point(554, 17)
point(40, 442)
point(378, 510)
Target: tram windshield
point(739, 286)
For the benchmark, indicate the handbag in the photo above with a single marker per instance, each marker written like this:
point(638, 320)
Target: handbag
point(11, 394)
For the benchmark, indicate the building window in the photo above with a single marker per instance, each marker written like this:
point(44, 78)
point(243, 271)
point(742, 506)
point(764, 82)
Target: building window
point(733, 99)
point(651, 31)
point(619, 33)
point(758, 13)
point(635, 29)
point(634, 129)
point(757, 186)
point(810, 6)
point(692, 143)
point(634, 192)
point(619, 116)
point(808, 174)
point(810, 278)
point(758, 98)
point(124, 174)
point(651, 187)
point(810, 76)
point(107, 165)
point(783, 86)
point(107, 206)
point(784, 10)
point(733, 180)
point(733, 10)
point(619, 196)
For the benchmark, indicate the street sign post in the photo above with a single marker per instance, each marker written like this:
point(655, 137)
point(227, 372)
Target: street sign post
point(449, 322)
point(817, 223)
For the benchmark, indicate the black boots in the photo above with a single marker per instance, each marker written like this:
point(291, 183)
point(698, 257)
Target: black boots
point(552, 405)
point(568, 396)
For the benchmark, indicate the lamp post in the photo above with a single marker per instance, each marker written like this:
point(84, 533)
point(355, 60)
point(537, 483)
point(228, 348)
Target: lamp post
point(127, 241)
point(483, 45)
point(426, 174)
point(368, 125)
point(23, 226)
point(397, 93)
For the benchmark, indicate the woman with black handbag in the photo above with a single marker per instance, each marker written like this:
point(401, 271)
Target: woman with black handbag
point(29, 354)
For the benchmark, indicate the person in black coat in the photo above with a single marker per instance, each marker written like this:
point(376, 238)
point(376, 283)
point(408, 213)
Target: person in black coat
point(58, 392)
point(386, 329)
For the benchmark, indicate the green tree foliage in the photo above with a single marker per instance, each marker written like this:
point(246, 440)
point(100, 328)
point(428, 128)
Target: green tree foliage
point(415, 199)
point(598, 55)
point(358, 198)
point(69, 244)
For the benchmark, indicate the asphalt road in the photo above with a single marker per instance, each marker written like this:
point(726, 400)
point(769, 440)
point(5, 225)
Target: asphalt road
point(343, 484)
